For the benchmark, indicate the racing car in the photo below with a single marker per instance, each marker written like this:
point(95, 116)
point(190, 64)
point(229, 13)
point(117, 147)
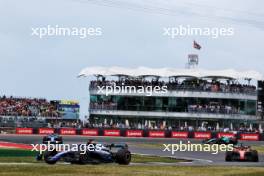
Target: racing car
point(242, 153)
point(52, 139)
point(113, 153)
point(221, 140)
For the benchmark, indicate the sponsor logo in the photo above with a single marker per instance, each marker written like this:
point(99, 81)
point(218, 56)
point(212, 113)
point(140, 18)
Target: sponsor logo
point(230, 135)
point(24, 131)
point(156, 134)
point(176, 134)
point(111, 132)
point(90, 132)
point(134, 133)
point(202, 135)
point(46, 130)
point(66, 131)
point(250, 137)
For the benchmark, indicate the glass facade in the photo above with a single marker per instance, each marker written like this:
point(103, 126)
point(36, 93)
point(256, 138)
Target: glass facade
point(213, 104)
point(173, 104)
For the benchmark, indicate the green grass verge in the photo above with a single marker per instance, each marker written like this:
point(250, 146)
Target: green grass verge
point(116, 170)
point(10, 166)
point(26, 159)
point(16, 153)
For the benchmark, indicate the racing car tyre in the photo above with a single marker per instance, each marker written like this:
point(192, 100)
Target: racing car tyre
point(60, 140)
point(229, 156)
point(44, 139)
point(48, 155)
point(123, 157)
point(234, 141)
point(39, 157)
point(255, 156)
point(83, 159)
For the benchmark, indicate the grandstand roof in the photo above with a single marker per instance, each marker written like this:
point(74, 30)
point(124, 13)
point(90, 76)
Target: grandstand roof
point(170, 72)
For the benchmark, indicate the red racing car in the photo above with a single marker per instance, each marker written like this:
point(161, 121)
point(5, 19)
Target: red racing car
point(242, 153)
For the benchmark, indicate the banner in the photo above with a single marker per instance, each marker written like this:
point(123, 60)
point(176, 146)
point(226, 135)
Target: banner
point(68, 131)
point(202, 135)
point(249, 137)
point(90, 132)
point(230, 135)
point(158, 134)
point(24, 130)
point(68, 109)
point(46, 130)
point(179, 134)
point(69, 102)
point(111, 132)
point(134, 133)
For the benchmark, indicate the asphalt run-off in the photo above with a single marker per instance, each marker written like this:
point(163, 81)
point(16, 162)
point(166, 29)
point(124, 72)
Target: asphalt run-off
point(147, 146)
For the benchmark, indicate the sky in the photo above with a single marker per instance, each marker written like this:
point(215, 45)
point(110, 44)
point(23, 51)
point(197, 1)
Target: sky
point(132, 36)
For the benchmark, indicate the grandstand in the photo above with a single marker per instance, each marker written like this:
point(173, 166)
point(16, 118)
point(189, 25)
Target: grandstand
point(36, 113)
point(195, 100)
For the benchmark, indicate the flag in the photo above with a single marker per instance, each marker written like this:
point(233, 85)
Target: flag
point(196, 45)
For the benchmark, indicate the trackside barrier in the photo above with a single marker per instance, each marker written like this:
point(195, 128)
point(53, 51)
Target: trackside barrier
point(219, 135)
point(24, 130)
point(90, 132)
point(46, 130)
point(156, 134)
point(249, 137)
point(202, 135)
point(134, 133)
point(139, 133)
point(179, 134)
point(112, 132)
point(68, 131)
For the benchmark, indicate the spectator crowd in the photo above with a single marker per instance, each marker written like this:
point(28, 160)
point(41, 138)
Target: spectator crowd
point(162, 126)
point(199, 108)
point(13, 106)
point(191, 85)
point(215, 109)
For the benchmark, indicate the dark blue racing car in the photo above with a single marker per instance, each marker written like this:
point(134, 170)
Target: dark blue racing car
point(113, 153)
point(50, 139)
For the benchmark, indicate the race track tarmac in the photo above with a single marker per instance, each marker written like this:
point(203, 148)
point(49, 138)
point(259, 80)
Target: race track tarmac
point(149, 146)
